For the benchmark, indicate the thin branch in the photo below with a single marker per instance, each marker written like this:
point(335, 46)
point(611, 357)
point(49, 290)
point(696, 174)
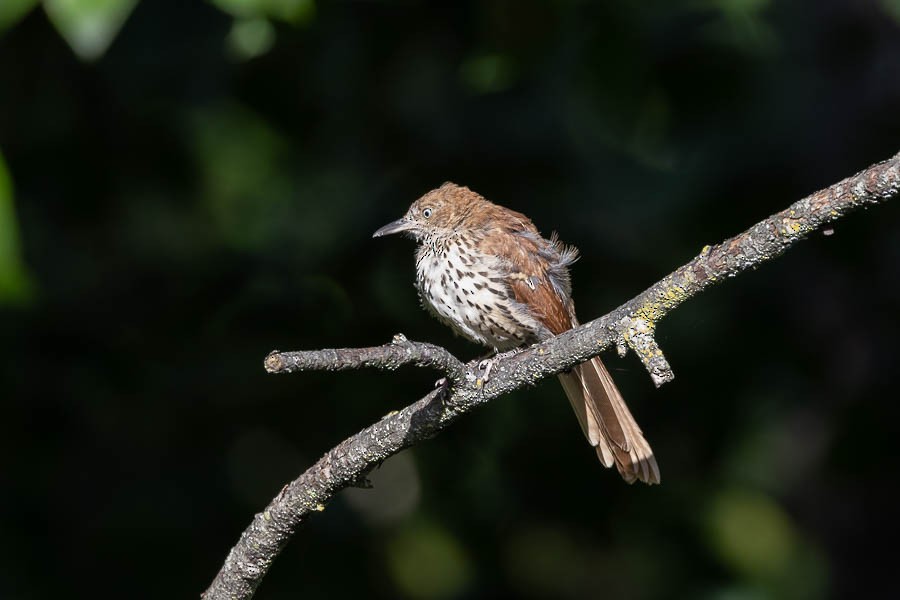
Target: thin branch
point(632, 325)
point(399, 352)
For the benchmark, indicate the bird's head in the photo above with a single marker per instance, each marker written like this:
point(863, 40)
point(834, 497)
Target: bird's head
point(438, 212)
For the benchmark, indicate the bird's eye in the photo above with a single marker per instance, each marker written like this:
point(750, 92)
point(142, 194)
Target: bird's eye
point(426, 213)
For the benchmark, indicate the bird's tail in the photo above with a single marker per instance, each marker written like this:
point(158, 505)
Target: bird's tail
point(607, 423)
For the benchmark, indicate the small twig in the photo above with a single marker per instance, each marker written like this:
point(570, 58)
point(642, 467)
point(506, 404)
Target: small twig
point(399, 352)
point(632, 325)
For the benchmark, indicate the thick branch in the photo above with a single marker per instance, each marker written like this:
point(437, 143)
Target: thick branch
point(631, 325)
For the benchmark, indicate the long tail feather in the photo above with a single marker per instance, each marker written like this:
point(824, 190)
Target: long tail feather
point(608, 424)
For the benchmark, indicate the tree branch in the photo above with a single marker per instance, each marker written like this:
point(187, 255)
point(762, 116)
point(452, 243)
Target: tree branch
point(399, 352)
point(632, 325)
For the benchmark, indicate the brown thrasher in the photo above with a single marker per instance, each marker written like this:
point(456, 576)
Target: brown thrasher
point(485, 271)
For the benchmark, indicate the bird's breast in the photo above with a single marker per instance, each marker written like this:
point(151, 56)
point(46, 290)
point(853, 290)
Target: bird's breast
point(467, 290)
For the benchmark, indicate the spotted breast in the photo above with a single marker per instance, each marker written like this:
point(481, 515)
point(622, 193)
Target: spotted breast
point(467, 289)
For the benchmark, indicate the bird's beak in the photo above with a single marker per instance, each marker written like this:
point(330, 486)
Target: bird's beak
point(396, 227)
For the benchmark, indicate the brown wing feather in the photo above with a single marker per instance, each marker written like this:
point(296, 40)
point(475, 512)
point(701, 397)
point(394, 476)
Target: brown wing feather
point(528, 256)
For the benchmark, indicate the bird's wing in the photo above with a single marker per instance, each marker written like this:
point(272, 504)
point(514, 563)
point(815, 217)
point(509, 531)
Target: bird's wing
point(536, 270)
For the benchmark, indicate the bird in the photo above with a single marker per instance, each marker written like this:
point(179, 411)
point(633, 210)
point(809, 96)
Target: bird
point(486, 271)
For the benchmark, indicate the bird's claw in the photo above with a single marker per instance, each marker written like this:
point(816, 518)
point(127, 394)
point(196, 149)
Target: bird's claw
point(486, 365)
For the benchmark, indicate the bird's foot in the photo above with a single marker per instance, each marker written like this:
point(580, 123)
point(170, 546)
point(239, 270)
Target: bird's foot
point(485, 365)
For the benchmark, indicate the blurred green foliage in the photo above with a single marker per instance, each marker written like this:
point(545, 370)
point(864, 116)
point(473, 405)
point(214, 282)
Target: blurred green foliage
point(892, 7)
point(89, 26)
point(196, 183)
point(751, 533)
point(251, 37)
point(757, 539)
point(13, 10)
point(296, 12)
point(487, 73)
point(427, 562)
point(15, 284)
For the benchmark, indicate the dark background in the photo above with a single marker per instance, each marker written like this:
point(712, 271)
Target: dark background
point(205, 191)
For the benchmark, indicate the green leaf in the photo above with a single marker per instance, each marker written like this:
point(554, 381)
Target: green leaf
point(12, 11)
point(15, 285)
point(89, 26)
